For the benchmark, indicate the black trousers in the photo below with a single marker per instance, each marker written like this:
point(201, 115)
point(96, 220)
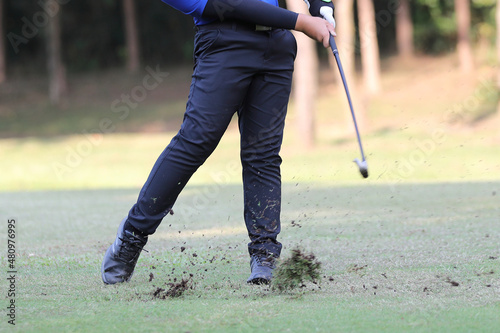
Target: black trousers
point(237, 69)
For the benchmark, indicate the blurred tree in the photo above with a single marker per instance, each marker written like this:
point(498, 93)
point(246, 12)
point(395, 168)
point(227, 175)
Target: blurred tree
point(132, 36)
point(435, 26)
point(3, 69)
point(370, 56)
point(462, 8)
point(97, 40)
point(56, 69)
point(305, 80)
point(404, 30)
point(166, 35)
point(498, 60)
point(346, 42)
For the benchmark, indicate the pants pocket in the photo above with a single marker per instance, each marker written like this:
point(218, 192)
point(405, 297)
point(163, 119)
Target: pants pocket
point(204, 42)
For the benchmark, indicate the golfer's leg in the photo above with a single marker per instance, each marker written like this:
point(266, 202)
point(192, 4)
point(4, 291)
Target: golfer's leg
point(171, 172)
point(216, 93)
point(261, 125)
point(261, 121)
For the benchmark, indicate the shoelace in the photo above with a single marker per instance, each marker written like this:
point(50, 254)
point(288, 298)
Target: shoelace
point(131, 248)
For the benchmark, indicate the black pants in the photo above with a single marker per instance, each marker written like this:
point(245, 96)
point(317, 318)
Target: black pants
point(236, 70)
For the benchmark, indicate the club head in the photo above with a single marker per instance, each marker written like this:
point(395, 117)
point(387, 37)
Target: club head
point(363, 167)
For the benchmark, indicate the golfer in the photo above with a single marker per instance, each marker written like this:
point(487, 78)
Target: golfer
point(243, 63)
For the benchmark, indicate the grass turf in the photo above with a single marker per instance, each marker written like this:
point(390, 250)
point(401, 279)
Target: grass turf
point(420, 258)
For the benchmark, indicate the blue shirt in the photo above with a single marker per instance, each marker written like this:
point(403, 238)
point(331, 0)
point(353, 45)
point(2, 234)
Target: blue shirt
point(195, 8)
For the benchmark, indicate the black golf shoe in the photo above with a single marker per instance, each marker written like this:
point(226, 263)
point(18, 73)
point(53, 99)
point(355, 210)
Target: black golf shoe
point(262, 269)
point(120, 258)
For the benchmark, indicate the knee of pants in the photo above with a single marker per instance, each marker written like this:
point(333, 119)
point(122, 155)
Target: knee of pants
point(194, 150)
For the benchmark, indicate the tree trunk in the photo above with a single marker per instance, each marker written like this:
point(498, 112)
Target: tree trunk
point(346, 43)
point(3, 68)
point(344, 15)
point(370, 56)
point(305, 81)
point(462, 8)
point(498, 63)
point(132, 38)
point(498, 45)
point(57, 71)
point(404, 30)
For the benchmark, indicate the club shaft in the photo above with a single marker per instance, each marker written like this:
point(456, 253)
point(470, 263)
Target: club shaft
point(335, 51)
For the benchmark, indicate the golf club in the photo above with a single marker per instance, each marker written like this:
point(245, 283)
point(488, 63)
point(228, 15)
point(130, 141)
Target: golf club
point(327, 14)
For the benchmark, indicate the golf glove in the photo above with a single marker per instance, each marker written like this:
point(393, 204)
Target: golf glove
point(315, 8)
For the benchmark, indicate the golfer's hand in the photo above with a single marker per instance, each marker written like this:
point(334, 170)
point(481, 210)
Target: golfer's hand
point(316, 28)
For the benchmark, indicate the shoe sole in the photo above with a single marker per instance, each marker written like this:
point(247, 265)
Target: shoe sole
point(259, 281)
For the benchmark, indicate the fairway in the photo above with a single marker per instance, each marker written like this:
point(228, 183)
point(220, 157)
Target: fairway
point(407, 257)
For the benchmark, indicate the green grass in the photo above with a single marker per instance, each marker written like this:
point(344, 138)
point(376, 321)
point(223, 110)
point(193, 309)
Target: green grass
point(389, 255)
point(407, 132)
point(124, 160)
